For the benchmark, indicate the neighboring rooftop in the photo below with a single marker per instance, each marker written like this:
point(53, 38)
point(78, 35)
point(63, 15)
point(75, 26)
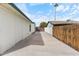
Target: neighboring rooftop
point(63, 22)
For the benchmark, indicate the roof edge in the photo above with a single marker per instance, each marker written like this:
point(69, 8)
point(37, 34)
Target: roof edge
point(15, 7)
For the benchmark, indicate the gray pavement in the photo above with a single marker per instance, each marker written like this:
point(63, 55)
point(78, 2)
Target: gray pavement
point(41, 44)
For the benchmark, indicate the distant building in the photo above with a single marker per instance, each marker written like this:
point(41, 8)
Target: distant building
point(49, 27)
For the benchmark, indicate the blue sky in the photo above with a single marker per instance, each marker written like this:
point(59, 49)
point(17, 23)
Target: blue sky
point(39, 12)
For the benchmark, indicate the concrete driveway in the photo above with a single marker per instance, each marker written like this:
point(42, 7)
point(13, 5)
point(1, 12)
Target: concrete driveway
point(41, 44)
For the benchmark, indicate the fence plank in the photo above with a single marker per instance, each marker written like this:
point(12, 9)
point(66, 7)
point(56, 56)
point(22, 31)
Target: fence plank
point(68, 34)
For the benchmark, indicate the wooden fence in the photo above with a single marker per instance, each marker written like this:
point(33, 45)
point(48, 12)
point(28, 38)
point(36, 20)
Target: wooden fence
point(68, 33)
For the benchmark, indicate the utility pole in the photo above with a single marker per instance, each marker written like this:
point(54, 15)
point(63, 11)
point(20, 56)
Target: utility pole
point(55, 5)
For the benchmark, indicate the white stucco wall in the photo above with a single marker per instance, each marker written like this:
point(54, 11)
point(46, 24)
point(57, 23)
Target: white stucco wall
point(13, 27)
point(49, 29)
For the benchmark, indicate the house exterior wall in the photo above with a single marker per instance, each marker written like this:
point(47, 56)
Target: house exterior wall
point(49, 29)
point(13, 27)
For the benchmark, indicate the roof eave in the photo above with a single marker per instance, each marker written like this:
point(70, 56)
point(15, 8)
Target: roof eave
point(15, 7)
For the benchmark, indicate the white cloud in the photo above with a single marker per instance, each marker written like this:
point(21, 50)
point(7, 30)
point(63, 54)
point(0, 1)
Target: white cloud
point(39, 12)
point(75, 19)
point(77, 6)
point(66, 9)
point(51, 4)
point(61, 18)
point(40, 19)
point(34, 4)
point(74, 12)
point(24, 9)
point(49, 16)
point(60, 8)
point(74, 6)
point(49, 13)
point(37, 19)
point(22, 6)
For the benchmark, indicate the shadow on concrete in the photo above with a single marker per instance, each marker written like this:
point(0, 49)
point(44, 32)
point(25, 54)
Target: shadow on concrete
point(33, 39)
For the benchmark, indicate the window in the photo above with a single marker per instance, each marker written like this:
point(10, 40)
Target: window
point(30, 27)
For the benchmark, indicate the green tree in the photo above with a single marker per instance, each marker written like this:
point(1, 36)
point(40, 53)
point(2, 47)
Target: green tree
point(43, 24)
